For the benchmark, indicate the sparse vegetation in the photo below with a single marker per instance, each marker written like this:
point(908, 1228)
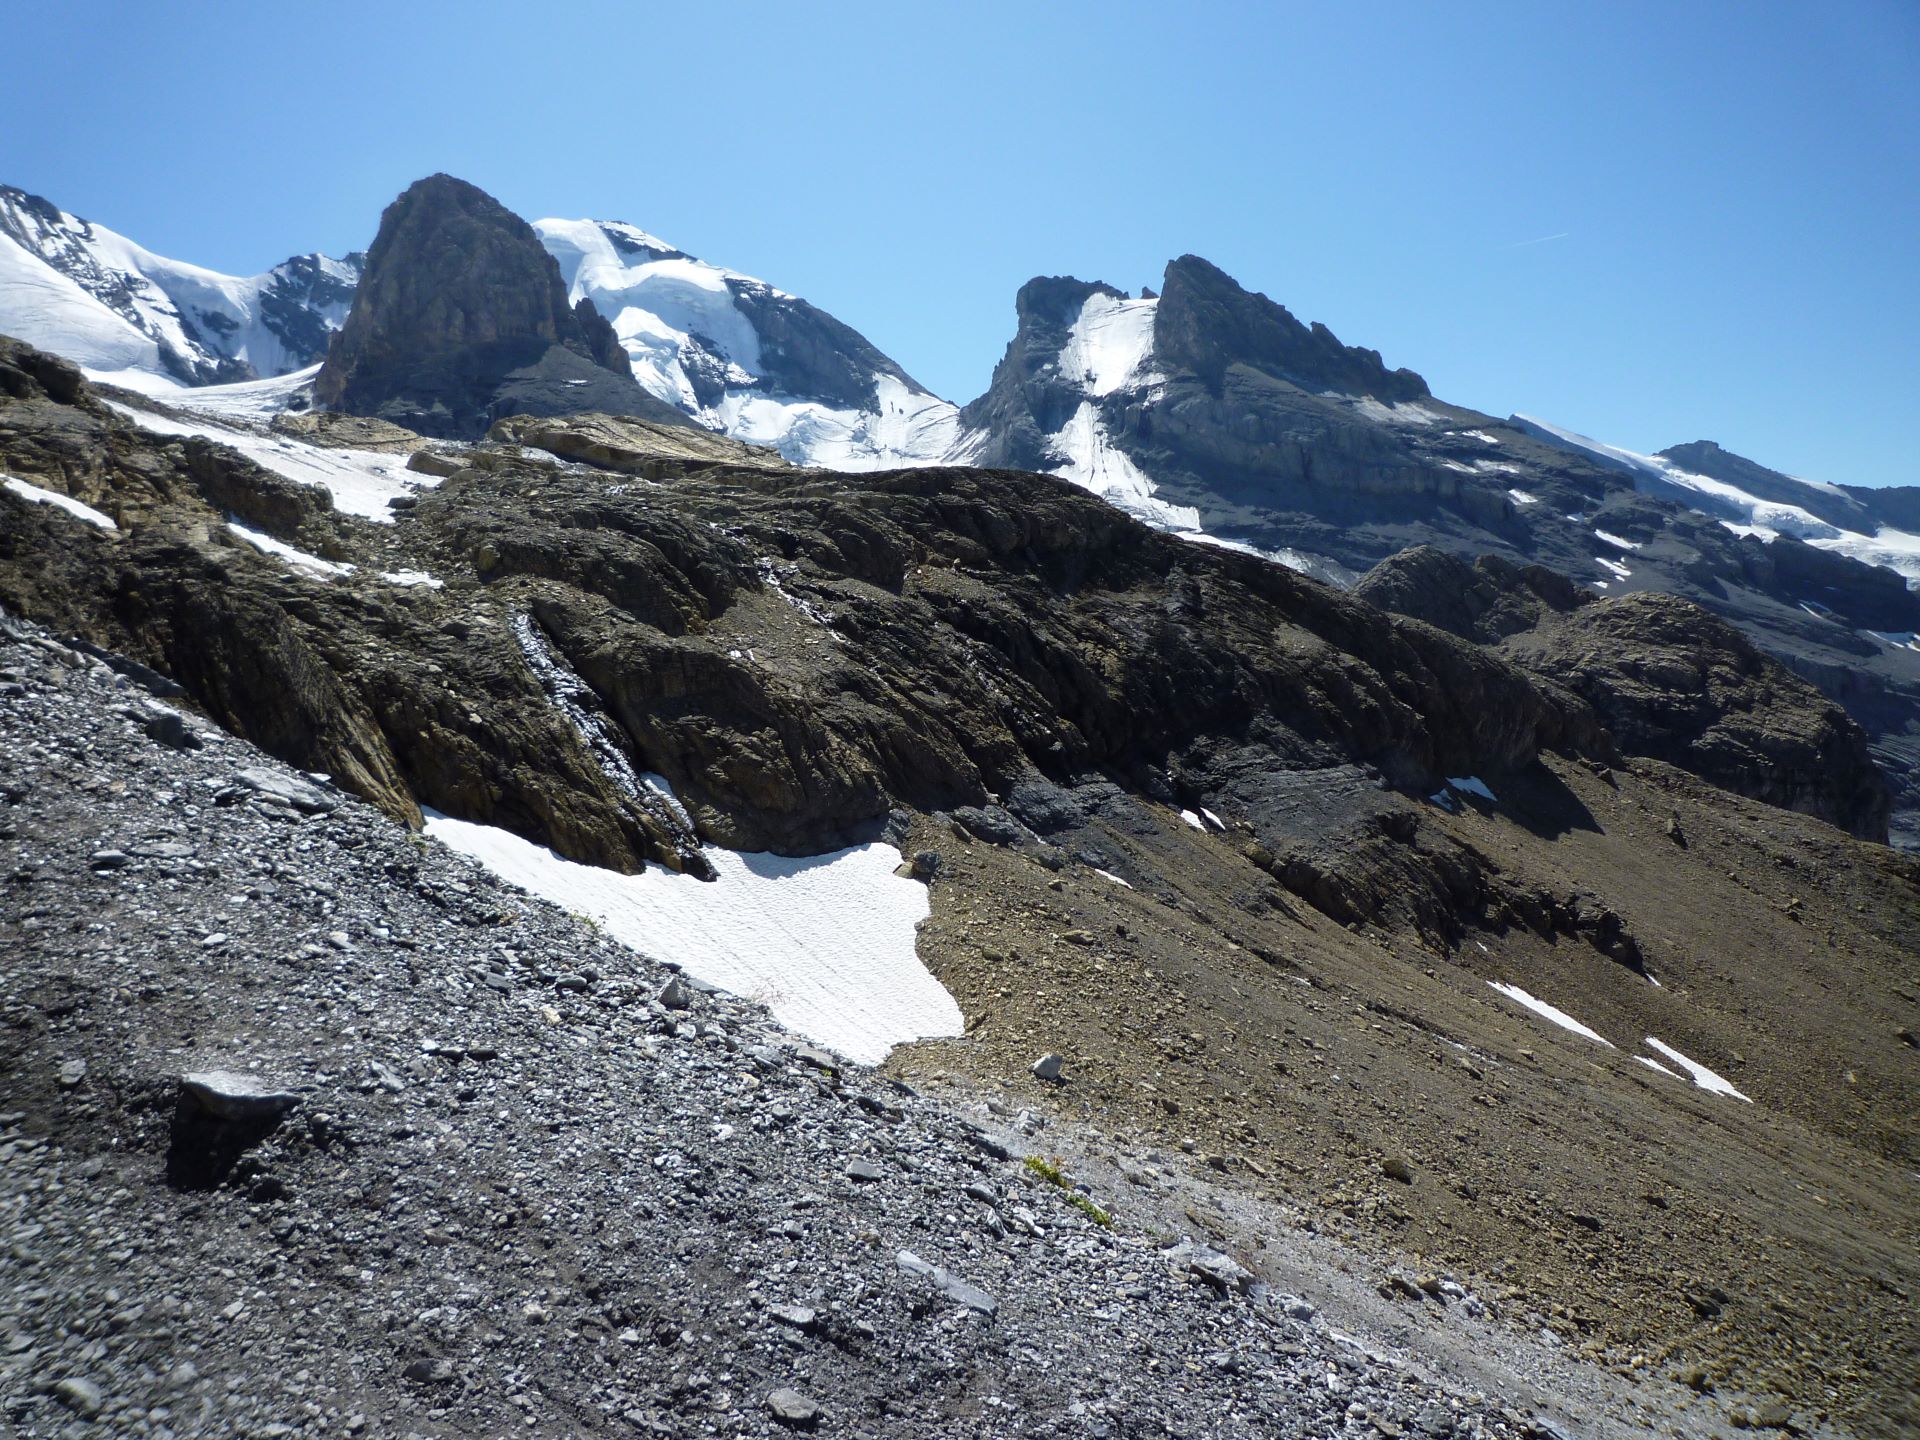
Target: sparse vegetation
point(1052, 1172)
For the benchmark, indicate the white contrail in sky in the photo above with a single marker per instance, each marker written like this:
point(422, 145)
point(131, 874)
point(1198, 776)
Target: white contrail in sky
point(1522, 244)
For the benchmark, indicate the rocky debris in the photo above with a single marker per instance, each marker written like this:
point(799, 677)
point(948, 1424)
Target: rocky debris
point(492, 1203)
point(348, 432)
point(460, 318)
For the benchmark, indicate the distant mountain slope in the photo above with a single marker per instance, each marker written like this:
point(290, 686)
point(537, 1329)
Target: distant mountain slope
point(89, 293)
point(744, 357)
point(733, 352)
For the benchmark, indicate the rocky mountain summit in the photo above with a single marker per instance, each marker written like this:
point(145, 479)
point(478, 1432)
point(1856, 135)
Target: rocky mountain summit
point(1269, 907)
point(460, 319)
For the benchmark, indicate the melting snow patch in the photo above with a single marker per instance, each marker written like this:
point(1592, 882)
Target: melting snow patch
point(1194, 820)
point(1109, 875)
point(412, 577)
point(361, 482)
point(826, 942)
point(1619, 571)
point(54, 498)
point(1521, 497)
point(299, 559)
point(1212, 819)
point(1702, 1076)
point(1549, 1012)
point(1656, 1065)
point(1473, 785)
point(1617, 541)
point(1899, 640)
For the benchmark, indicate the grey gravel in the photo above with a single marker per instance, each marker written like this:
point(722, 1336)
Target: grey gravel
point(465, 1201)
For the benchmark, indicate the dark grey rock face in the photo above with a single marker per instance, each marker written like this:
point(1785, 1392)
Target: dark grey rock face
point(1206, 324)
point(461, 320)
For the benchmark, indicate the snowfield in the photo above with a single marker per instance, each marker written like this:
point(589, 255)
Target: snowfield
point(361, 482)
point(677, 317)
point(826, 942)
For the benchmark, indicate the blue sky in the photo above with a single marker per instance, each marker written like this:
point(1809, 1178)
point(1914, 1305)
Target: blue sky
point(1651, 222)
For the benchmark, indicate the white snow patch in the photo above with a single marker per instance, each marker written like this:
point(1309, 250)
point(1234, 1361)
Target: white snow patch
point(1897, 639)
point(1619, 571)
point(1656, 1065)
point(412, 577)
point(361, 482)
point(1109, 875)
point(825, 941)
point(1405, 412)
point(54, 498)
point(1093, 462)
point(1212, 819)
point(1320, 567)
point(1550, 1012)
point(905, 427)
point(299, 559)
point(1473, 785)
point(1618, 542)
point(1521, 497)
point(1194, 820)
point(1109, 345)
point(1702, 1076)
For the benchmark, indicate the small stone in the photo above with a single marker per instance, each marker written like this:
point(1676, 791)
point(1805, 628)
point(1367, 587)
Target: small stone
point(109, 859)
point(168, 728)
point(72, 1072)
point(1048, 1067)
point(1397, 1167)
point(948, 1284)
point(790, 1407)
point(79, 1395)
point(794, 1317)
point(429, 1372)
point(865, 1170)
point(236, 1095)
point(675, 995)
point(285, 790)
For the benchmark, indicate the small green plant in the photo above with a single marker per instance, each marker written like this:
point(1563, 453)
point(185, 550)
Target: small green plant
point(1051, 1172)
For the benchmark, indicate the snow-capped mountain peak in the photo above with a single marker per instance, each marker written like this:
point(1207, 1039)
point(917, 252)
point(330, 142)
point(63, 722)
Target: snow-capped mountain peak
point(746, 357)
point(91, 294)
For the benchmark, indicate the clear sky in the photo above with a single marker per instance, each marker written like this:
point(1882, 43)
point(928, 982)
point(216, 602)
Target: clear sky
point(1653, 222)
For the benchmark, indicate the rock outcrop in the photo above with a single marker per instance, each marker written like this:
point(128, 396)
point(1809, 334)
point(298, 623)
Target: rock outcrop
point(461, 319)
point(1485, 601)
point(1674, 682)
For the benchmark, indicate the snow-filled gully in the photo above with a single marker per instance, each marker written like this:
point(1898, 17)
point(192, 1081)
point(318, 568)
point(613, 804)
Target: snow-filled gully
point(826, 942)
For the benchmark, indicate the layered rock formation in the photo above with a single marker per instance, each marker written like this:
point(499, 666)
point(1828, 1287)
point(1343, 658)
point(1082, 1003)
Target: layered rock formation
point(1668, 679)
point(461, 319)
